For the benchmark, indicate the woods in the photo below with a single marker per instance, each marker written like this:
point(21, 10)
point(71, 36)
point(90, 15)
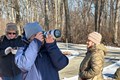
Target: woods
point(75, 18)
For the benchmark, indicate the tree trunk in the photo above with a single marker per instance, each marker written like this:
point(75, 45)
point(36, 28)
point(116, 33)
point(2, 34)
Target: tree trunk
point(57, 13)
point(67, 22)
point(17, 19)
point(116, 22)
point(46, 16)
point(100, 14)
point(96, 15)
point(111, 15)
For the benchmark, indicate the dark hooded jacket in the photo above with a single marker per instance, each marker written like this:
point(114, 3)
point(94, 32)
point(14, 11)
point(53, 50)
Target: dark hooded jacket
point(7, 62)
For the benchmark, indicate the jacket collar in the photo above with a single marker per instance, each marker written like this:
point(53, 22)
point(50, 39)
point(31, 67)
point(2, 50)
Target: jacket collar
point(9, 38)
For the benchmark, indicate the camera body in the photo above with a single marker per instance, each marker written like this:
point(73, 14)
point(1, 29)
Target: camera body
point(56, 33)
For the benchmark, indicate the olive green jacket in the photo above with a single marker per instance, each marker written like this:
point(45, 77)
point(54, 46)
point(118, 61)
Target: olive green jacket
point(92, 65)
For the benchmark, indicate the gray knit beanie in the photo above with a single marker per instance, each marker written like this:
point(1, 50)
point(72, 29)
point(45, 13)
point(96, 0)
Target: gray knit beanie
point(11, 26)
point(31, 29)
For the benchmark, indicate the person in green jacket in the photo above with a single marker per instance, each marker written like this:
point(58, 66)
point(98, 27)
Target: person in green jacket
point(117, 74)
point(92, 65)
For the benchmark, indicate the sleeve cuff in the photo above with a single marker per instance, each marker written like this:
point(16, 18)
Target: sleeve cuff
point(50, 44)
point(38, 42)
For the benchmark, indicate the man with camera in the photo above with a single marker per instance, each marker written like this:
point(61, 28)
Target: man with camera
point(8, 47)
point(40, 59)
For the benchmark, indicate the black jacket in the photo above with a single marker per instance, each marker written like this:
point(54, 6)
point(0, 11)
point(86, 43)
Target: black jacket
point(7, 62)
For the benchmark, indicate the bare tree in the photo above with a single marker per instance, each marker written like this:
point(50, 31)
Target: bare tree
point(116, 21)
point(67, 21)
point(46, 15)
point(77, 16)
point(99, 5)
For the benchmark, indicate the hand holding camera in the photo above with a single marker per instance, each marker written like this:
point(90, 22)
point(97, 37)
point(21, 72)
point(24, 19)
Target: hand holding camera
point(39, 36)
point(49, 39)
point(49, 36)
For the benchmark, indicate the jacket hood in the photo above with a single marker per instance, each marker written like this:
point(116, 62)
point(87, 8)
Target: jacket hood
point(102, 47)
point(99, 47)
point(32, 29)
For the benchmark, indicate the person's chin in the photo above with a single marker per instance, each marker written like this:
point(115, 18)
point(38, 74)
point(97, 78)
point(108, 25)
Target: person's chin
point(89, 46)
point(12, 38)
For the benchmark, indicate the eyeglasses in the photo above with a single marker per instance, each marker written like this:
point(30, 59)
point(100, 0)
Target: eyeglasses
point(11, 33)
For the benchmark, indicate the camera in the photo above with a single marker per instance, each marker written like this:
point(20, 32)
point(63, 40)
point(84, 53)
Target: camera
point(56, 33)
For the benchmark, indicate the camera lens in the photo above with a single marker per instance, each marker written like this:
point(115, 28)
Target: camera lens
point(55, 33)
point(44, 34)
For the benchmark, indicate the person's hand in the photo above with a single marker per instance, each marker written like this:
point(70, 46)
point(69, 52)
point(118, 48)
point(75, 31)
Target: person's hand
point(8, 50)
point(39, 36)
point(49, 39)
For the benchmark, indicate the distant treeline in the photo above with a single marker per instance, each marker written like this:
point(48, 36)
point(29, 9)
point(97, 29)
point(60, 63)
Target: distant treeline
point(75, 18)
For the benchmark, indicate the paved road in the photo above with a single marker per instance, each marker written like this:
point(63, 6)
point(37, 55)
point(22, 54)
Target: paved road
point(73, 66)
